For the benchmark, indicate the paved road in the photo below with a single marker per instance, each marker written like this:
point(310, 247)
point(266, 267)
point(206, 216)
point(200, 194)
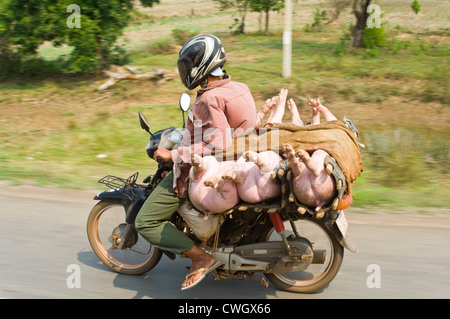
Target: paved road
point(43, 244)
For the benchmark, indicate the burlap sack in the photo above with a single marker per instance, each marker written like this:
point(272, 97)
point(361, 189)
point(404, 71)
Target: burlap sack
point(333, 137)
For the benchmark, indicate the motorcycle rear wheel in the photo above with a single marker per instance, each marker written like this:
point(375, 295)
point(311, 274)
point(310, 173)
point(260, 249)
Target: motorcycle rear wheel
point(106, 220)
point(315, 277)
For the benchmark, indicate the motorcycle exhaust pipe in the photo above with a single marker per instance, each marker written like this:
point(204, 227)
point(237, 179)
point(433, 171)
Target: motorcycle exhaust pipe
point(319, 257)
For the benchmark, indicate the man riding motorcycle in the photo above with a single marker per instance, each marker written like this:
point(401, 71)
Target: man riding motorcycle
point(223, 110)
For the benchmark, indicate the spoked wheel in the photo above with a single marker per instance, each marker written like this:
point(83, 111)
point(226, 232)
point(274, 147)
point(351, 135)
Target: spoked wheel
point(317, 275)
point(105, 229)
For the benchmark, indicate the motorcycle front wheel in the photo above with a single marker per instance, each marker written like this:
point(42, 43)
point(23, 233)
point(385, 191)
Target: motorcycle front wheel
point(316, 276)
point(105, 227)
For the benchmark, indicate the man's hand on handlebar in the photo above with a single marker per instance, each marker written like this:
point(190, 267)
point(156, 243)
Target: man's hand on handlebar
point(162, 155)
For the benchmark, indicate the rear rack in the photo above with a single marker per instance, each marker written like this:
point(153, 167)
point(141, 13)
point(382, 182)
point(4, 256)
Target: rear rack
point(118, 183)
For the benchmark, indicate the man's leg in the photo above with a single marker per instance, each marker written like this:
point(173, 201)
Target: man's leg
point(152, 221)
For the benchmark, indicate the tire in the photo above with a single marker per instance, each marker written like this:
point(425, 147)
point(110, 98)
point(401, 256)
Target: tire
point(306, 284)
point(138, 259)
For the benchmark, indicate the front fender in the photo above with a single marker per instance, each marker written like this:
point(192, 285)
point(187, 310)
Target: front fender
point(344, 240)
point(338, 228)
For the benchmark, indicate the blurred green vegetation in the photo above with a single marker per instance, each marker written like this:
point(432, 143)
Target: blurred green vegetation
point(406, 164)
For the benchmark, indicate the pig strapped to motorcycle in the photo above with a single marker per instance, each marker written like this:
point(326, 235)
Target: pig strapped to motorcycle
point(317, 181)
point(334, 137)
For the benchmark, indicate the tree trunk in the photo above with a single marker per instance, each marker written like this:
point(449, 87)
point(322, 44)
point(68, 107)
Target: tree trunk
point(360, 11)
point(338, 7)
point(243, 15)
point(101, 54)
point(260, 21)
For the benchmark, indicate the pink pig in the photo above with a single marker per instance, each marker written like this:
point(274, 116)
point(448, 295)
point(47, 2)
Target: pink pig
point(312, 184)
point(207, 191)
point(253, 175)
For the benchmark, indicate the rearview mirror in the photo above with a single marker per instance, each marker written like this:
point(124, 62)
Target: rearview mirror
point(185, 102)
point(144, 124)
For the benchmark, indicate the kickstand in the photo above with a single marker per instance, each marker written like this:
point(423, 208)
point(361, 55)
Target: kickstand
point(261, 280)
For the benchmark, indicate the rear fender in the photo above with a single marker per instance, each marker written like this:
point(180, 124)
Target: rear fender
point(131, 198)
point(111, 195)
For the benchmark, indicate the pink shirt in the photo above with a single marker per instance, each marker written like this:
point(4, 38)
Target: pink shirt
point(222, 111)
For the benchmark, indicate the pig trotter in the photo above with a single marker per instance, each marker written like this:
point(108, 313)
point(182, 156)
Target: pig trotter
point(251, 156)
point(294, 111)
point(196, 160)
point(211, 181)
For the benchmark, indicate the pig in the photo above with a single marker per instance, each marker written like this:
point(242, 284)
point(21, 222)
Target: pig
point(254, 176)
point(207, 191)
point(313, 186)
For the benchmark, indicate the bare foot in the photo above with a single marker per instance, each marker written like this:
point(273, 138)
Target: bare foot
point(200, 259)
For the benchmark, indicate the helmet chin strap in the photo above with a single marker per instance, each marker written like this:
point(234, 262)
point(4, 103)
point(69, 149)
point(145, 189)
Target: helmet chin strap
point(225, 75)
point(205, 82)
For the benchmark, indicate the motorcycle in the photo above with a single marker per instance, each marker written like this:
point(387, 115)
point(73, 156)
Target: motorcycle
point(296, 248)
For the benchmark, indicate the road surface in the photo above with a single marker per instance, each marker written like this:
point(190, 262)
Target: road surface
point(45, 254)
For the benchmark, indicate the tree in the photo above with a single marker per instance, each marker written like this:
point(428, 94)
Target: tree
point(337, 7)
point(360, 12)
point(242, 7)
point(415, 6)
point(360, 8)
point(26, 24)
point(266, 6)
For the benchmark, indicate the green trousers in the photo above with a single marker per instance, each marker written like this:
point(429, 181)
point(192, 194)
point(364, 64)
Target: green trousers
point(152, 221)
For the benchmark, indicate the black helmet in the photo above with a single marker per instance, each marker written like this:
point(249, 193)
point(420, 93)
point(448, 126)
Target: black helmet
point(198, 57)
